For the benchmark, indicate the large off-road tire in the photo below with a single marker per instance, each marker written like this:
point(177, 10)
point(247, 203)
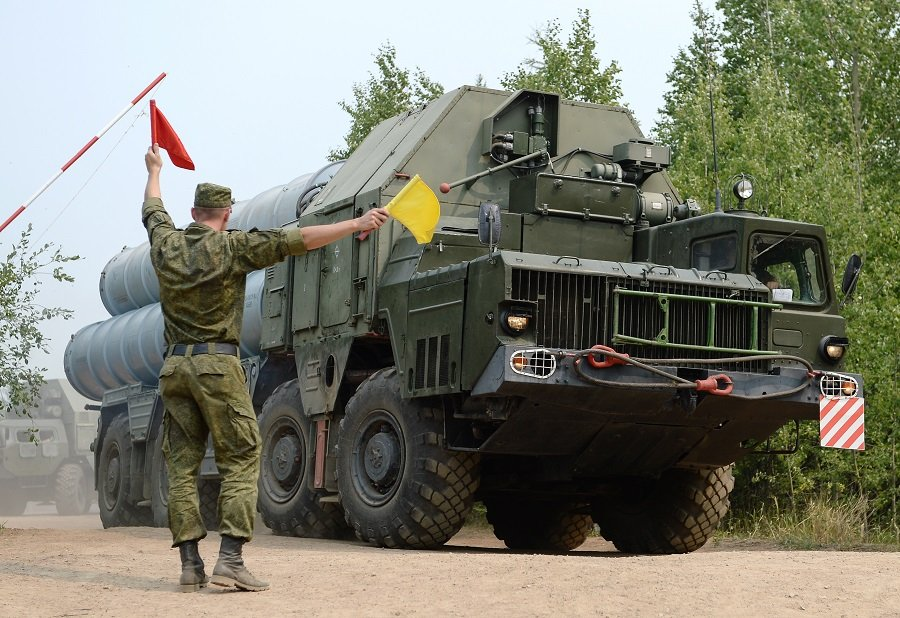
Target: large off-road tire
point(114, 478)
point(675, 514)
point(538, 526)
point(71, 491)
point(159, 485)
point(399, 487)
point(13, 500)
point(287, 503)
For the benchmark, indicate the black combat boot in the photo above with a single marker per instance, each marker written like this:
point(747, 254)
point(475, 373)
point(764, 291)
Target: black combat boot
point(193, 577)
point(230, 569)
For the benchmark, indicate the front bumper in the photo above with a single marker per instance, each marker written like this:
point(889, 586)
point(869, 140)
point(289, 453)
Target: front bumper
point(630, 422)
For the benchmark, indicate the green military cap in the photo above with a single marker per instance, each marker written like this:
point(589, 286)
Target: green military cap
point(209, 195)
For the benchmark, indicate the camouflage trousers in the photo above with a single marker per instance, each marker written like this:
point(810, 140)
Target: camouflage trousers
point(206, 394)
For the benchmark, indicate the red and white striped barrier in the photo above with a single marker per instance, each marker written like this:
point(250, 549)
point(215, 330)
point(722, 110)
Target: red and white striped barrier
point(842, 422)
point(84, 149)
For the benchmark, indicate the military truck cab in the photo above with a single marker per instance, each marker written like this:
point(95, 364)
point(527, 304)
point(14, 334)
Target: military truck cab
point(789, 257)
point(44, 454)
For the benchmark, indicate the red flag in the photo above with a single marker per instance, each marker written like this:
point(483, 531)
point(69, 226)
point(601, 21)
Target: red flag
point(162, 133)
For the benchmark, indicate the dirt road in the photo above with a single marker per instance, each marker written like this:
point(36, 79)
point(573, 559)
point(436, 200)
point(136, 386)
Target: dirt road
point(69, 566)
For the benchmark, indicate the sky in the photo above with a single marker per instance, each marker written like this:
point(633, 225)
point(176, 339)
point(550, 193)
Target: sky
point(253, 90)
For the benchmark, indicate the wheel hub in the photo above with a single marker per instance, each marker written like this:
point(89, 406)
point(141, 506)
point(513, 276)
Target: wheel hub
point(286, 459)
point(382, 458)
point(112, 480)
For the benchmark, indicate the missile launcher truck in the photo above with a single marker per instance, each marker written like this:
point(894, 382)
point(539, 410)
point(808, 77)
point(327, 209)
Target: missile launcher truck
point(575, 345)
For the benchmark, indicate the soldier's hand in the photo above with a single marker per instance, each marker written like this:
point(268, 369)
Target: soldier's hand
point(153, 159)
point(373, 219)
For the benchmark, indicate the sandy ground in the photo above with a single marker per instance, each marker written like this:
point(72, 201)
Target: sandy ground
point(69, 566)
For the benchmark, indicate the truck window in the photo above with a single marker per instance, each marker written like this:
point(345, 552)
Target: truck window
point(791, 266)
point(718, 253)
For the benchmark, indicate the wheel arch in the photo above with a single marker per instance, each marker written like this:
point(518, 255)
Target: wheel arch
point(329, 370)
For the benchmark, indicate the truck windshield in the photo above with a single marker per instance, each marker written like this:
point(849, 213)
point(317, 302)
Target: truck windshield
point(716, 253)
point(791, 266)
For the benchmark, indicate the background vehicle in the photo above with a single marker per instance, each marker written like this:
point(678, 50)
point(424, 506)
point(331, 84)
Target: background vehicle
point(46, 456)
point(574, 345)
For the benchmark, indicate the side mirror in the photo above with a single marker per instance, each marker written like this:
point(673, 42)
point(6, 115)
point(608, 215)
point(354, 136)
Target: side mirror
point(851, 277)
point(489, 224)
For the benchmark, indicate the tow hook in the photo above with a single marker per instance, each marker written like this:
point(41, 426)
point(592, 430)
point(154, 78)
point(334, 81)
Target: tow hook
point(719, 384)
point(610, 360)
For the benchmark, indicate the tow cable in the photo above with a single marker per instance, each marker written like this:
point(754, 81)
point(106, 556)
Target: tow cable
point(604, 357)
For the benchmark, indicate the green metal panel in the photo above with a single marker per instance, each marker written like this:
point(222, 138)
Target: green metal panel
point(305, 291)
point(140, 412)
point(365, 253)
point(275, 306)
point(320, 369)
point(336, 282)
point(487, 286)
point(561, 236)
point(434, 331)
point(801, 331)
point(581, 198)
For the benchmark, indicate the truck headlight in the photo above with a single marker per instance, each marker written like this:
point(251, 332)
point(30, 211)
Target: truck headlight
point(516, 319)
point(832, 348)
point(517, 323)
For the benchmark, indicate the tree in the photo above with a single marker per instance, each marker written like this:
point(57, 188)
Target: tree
point(572, 69)
point(389, 92)
point(21, 317)
point(685, 124)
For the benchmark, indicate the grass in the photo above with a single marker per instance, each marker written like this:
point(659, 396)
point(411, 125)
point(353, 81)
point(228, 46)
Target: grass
point(821, 524)
point(477, 517)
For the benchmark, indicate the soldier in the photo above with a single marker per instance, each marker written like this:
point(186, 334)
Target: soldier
point(202, 271)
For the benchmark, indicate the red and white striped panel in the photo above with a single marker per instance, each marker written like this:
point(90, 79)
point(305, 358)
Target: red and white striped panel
point(842, 423)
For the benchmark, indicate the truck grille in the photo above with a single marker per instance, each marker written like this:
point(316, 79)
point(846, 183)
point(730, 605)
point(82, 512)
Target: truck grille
point(580, 311)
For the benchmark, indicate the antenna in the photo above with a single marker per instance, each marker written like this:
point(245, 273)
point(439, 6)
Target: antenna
point(712, 120)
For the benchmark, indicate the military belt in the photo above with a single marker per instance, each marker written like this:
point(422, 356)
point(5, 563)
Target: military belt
point(192, 349)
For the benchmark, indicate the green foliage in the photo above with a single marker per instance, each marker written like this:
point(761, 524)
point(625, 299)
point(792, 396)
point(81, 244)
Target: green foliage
point(822, 523)
point(685, 122)
point(805, 100)
point(21, 317)
point(387, 93)
point(571, 69)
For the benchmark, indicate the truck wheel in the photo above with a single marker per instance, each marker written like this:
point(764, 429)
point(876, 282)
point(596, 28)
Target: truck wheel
point(538, 526)
point(114, 474)
point(159, 486)
point(399, 487)
point(13, 502)
point(675, 514)
point(287, 503)
point(71, 492)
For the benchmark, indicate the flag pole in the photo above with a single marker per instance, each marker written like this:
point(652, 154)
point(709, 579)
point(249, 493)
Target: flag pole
point(84, 149)
point(152, 121)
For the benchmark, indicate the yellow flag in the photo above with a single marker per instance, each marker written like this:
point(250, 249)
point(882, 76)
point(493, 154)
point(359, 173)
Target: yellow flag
point(416, 207)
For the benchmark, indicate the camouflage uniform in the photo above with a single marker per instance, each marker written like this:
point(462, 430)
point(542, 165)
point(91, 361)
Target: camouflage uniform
point(202, 276)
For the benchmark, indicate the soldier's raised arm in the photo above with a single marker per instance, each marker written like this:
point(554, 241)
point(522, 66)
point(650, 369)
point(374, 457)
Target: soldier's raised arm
point(154, 164)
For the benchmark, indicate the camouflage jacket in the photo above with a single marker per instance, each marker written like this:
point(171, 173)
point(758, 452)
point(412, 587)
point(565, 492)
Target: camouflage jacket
point(202, 273)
